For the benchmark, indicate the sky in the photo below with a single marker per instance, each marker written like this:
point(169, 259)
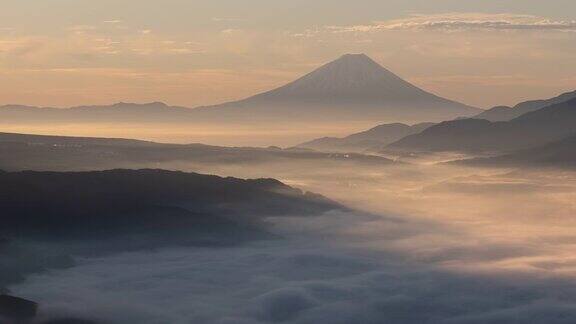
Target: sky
point(187, 52)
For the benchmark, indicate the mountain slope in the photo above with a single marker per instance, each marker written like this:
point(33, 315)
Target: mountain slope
point(378, 136)
point(116, 202)
point(498, 113)
point(504, 113)
point(353, 86)
point(532, 129)
point(49, 218)
point(560, 154)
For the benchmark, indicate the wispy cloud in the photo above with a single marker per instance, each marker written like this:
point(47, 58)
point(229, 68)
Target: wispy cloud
point(82, 29)
point(463, 21)
point(228, 19)
point(231, 31)
point(113, 22)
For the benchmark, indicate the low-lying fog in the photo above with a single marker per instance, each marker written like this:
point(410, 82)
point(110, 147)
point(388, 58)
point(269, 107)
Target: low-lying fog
point(433, 244)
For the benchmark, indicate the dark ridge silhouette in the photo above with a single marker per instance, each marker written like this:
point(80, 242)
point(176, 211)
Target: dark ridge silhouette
point(153, 202)
point(560, 154)
point(532, 129)
point(373, 138)
point(50, 217)
point(69, 321)
point(17, 309)
point(60, 153)
point(504, 113)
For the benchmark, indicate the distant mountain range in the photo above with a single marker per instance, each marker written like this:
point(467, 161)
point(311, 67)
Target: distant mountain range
point(559, 154)
point(546, 125)
point(351, 88)
point(380, 136)
point(373, 138)
point(156, 112)
point(504, 113)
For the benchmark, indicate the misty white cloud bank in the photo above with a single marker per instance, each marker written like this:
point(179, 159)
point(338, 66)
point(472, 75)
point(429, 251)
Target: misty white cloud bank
point(443, 246)
point(293, 283)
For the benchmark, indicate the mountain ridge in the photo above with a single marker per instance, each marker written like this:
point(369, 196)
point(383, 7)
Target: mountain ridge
point(558, 154)
point(532, 129)
point(505, 113)
point(375, 137)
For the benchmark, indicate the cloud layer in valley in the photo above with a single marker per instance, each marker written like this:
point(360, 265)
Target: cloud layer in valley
point(429, 257)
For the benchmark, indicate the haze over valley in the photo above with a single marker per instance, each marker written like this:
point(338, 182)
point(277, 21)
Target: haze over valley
point(227, 163)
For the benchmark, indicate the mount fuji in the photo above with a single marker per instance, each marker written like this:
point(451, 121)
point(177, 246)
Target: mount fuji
point(350, 89)
point(353, 87)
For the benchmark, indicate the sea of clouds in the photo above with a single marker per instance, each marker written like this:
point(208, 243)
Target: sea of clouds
point(486, 252)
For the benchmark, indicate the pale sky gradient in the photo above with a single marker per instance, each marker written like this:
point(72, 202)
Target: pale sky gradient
point(190, 53)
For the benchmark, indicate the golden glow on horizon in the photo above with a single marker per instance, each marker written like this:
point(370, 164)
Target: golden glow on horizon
point(479, 56)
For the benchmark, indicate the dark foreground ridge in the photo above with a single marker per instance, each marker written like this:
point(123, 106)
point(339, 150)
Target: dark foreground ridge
point(19, 310)
point(50, 217)
point(107, 203)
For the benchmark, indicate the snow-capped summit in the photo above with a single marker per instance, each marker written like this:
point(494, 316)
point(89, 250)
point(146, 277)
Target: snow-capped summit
point(352, 78)
point(353, 87)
